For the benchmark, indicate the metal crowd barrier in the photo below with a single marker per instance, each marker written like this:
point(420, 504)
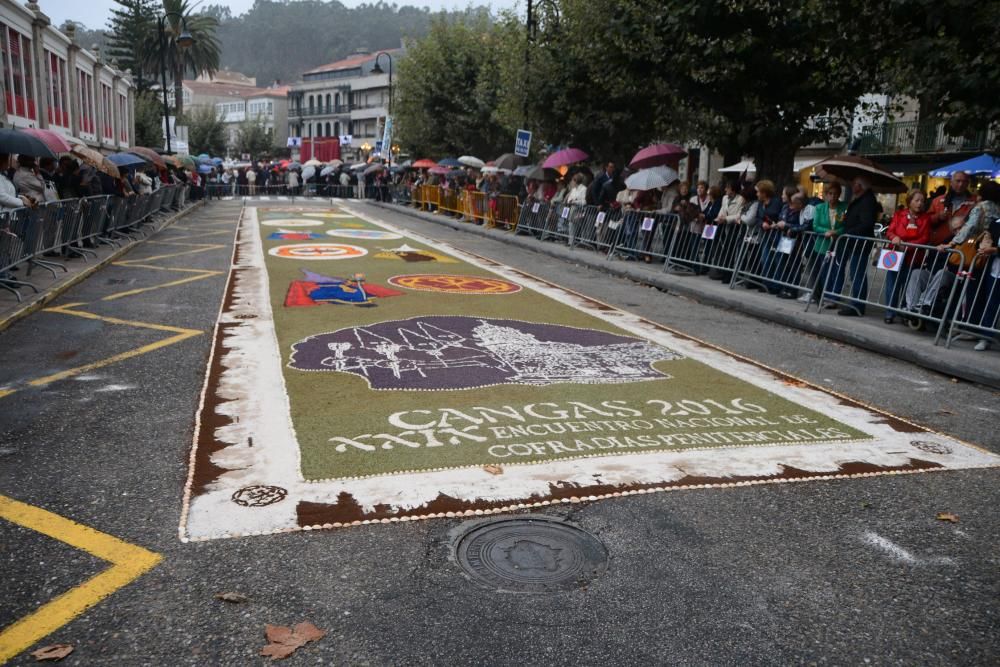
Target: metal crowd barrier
point(37, 237)
point(978, 312)
point(644, 235)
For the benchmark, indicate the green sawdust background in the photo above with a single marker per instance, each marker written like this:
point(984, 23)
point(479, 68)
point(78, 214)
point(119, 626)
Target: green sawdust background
point(330, 403)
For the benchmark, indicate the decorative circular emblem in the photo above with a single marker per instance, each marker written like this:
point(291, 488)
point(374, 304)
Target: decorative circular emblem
point(318, 251)
point(374, 234)
point(259, 496)
point(931, 447)
point(890, 260)
point(432, 282)
point(536, 555)
point(291, 222)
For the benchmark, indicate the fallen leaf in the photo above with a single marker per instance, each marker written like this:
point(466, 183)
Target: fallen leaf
point(285, 641)
point(231, 597)
point(52, 653)
point(945, 411)
point(947, 516)
point(493, 469)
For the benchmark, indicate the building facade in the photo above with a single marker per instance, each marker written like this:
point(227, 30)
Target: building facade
point(339, 100)
point(48, 81)
point(235, 103)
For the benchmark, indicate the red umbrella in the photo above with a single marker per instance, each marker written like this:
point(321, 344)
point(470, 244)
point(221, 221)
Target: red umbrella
point(565, 156)
point(424, 164)
point(657, 155)
point(56, 142)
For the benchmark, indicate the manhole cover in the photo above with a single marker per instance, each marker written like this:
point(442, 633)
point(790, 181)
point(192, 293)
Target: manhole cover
point(537, 555)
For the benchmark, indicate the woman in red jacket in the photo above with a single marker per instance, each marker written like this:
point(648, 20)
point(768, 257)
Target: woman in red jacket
point(909, 225)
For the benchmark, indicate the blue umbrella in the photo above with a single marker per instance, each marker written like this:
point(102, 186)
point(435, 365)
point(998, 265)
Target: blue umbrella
point(217, 160)
point(984, 164)
point(126, 159)
point(450, 162)
point(205, 168)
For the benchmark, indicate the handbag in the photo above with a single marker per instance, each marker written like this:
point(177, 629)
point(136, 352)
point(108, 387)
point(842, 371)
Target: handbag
point(968, 254)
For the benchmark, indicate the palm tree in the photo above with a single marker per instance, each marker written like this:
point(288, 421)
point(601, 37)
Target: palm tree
point(202, 57)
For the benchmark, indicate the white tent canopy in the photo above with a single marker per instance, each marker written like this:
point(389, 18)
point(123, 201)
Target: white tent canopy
point(749, 167)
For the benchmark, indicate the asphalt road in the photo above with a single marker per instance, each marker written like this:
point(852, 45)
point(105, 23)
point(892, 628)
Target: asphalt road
point(839, 572)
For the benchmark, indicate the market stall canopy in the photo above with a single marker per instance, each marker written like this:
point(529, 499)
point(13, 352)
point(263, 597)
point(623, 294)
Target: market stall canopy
point(845, 168)
point(563, 157)
point(96, 160)
point(657, 155)
point(16, 141)
point(652, 178)
point(424, 164)
point(984, 164)
point(53, 140)
point(470, 161)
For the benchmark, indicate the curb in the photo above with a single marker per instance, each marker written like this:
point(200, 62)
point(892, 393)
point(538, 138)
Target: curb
point(39, 301)
point(810, 323)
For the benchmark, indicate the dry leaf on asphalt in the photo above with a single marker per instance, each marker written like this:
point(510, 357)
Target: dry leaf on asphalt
point(52, 653)
point(285, 641)
point(493, 469)
point(945, 411)
point(947, 516)
point(231, 597)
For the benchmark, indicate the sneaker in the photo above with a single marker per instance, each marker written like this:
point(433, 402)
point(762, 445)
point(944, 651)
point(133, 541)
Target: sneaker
point(805, 298)
point(982, 346)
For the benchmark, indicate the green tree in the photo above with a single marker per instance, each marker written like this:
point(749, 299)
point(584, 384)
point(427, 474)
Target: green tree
point(253, 137)
point(206, 131)
point(760, 77)
point(202, 57)
point(131, 31)
point(148, 120)
point(448, 91)
point(939, 57)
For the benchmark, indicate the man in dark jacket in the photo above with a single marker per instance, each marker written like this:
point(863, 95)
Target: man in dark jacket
point(853, 253)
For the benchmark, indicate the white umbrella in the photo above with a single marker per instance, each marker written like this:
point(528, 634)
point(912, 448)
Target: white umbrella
point(308, 172)
point(313, 163)
point(335, 163)
point(326, 171)
point(473, 162)
point(359, 166)
point(652, 178)
point(738, 168)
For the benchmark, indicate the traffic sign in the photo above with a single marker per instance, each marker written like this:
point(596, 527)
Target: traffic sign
point(522, 144)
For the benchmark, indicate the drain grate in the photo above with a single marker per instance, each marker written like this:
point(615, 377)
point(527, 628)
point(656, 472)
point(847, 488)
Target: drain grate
point(536, 555)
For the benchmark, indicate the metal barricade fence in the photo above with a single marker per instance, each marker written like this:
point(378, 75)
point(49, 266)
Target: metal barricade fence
point(432, 197)
point(644, 235)
point(451, 201)
point(918, 282)
point(702, 248)
point(777, 260)
point(979, 301)
point(14, 227)
point(476, 206)
point(532, 219)
point(557, 223)
point(596, 229)
point(43, 235)
point(503, 211)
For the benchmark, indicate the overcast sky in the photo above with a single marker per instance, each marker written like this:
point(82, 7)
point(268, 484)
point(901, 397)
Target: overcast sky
point(94, 13)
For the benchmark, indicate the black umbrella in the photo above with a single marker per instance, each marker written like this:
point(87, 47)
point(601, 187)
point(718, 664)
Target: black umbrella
point(540, 173)
point(13, 141)
point(508, 161)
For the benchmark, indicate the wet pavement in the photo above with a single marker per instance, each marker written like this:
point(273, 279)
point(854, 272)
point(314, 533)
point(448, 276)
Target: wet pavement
point(835, 572)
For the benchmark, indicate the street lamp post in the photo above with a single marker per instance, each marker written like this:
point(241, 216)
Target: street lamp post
point(379, 70)
point(184, 40)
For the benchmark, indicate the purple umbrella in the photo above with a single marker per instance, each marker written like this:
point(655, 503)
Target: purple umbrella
point(565, 156)
point(657, 155)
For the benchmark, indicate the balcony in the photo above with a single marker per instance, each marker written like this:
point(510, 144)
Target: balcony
point(919, 137)
point(323, 110)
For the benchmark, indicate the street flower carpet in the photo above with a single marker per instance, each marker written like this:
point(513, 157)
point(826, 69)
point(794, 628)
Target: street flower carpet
point(361, 373)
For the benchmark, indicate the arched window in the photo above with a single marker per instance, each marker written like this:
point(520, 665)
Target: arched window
point(336, 129)
point(327, 127)
point(328, 102)
point(319, 130)
point(336, 99)
point(311, 103)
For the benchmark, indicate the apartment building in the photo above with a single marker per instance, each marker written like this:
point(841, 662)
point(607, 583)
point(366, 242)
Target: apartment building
point(342, 102)
point(49, 81)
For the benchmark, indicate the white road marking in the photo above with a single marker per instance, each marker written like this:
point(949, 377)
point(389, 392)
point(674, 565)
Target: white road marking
point(901, 555)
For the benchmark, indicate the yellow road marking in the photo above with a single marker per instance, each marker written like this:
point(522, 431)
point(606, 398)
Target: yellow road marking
point(180, 334)
point(172, 283)
point(162, 268)
point(128, 562)
point(203, 248)
point(170, 239)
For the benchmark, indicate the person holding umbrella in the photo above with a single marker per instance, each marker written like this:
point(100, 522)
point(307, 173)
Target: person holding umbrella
point(9, 199)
